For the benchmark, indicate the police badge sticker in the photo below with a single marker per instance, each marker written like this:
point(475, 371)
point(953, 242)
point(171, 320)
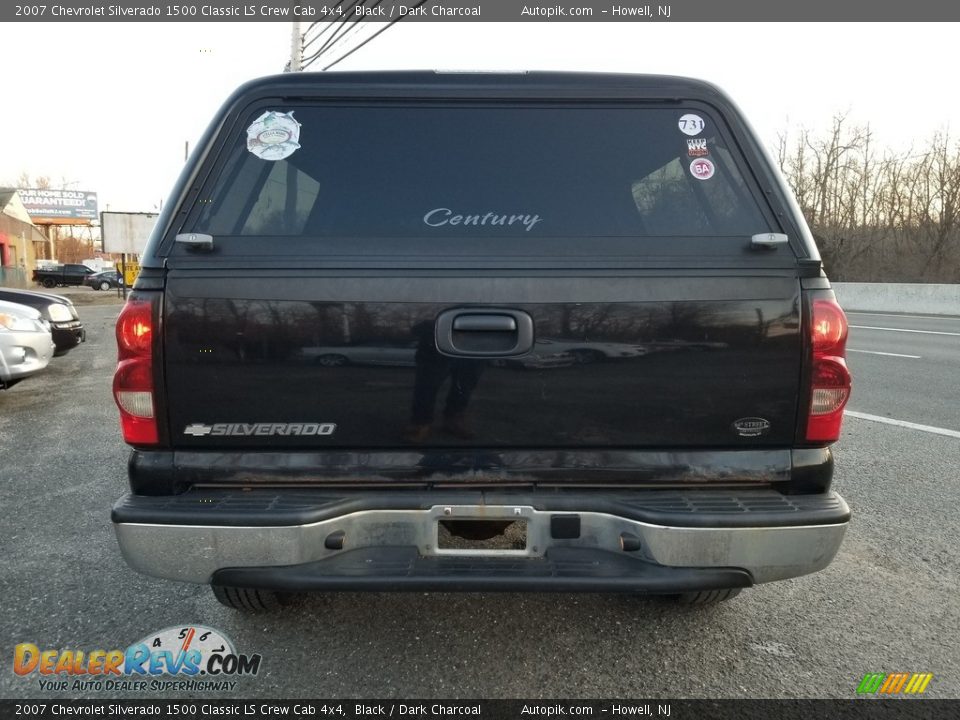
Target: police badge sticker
point(274, 136)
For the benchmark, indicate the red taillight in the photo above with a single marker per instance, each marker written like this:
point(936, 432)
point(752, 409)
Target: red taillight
point(135, 328)
point(830, 379)
point(829, 330)
point(133, 380)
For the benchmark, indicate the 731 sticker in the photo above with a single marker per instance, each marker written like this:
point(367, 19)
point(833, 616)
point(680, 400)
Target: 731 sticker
point(690, 124)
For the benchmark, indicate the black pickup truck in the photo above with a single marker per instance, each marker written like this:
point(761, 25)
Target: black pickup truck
point(589, 346)
point(69, 274)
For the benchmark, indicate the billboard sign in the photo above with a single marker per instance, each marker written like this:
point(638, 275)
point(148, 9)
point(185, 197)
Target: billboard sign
point(126, 232)
point(66, 207)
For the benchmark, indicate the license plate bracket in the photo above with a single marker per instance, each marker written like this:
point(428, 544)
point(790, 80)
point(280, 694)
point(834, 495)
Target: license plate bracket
point(482, 535)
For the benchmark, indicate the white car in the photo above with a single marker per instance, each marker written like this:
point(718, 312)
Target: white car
point(26, 344)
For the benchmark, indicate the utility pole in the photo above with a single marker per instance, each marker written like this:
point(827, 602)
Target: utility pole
point(296, 47)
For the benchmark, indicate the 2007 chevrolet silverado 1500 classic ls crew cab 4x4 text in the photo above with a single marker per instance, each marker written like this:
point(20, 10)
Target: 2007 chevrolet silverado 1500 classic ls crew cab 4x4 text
point(587, 342)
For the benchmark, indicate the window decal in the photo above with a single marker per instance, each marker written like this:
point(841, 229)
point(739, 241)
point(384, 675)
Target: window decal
point(702, 169)
point(274, 136)
point(690, 124)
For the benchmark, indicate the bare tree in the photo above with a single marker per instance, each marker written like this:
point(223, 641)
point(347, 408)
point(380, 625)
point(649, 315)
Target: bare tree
point(878, 216)
point(41, 182)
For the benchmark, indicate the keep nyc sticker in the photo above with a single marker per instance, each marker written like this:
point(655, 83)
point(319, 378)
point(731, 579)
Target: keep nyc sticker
point(697, 147)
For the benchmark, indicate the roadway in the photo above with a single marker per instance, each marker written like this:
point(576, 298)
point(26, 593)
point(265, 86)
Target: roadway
point(906, 367)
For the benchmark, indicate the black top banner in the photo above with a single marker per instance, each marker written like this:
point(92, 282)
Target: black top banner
point(620, 11)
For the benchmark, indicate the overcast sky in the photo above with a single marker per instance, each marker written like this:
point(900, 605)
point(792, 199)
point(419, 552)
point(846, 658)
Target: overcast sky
point(107, 107)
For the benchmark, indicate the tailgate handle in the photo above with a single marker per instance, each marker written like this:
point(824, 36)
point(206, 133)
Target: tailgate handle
point(485, 323)
point(483, 332)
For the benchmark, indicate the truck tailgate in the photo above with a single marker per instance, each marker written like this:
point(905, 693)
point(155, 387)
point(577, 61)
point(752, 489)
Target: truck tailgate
point(289, 358)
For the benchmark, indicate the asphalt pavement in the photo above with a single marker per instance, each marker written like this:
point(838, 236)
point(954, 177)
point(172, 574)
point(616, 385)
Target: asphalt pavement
point(906, 367)
point(890, 602)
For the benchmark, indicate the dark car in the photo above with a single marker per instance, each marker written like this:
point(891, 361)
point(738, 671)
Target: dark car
point(68, 331)
point(106, 280)
point(571, 222)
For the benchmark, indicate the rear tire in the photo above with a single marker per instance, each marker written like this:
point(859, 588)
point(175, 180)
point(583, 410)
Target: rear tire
point(249, 600)
point(104, 285)
point(707, 597)
point(48, 283)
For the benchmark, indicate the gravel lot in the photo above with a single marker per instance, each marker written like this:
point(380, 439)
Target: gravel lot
point(889, 602)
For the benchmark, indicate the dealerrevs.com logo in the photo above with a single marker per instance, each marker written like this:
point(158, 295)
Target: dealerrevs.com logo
point(186, 658)
point(894, 683)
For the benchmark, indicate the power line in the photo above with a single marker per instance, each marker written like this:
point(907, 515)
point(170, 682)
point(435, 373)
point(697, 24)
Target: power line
point(381, 30)
point(340, 25)
point(330, 11)
point(338, 34)
point(340, 37)
point(330, 26)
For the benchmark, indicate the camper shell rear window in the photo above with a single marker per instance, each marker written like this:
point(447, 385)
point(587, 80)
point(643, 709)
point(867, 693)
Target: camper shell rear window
point(475, 172)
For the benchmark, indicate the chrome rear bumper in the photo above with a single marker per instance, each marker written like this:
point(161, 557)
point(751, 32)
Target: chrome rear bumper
point(195, 552)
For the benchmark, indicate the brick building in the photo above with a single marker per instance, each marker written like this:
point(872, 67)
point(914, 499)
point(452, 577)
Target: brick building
point(21, 242)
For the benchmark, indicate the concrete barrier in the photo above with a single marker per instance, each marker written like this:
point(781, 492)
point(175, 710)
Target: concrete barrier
point(918, 298)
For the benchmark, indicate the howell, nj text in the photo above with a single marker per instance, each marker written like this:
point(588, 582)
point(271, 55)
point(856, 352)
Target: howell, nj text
point(641, 710)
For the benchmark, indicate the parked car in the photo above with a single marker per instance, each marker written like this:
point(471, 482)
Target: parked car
point(59, 311)
point(624, 211)
point(60, 275)
point(106, 280)
point(26, 345)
